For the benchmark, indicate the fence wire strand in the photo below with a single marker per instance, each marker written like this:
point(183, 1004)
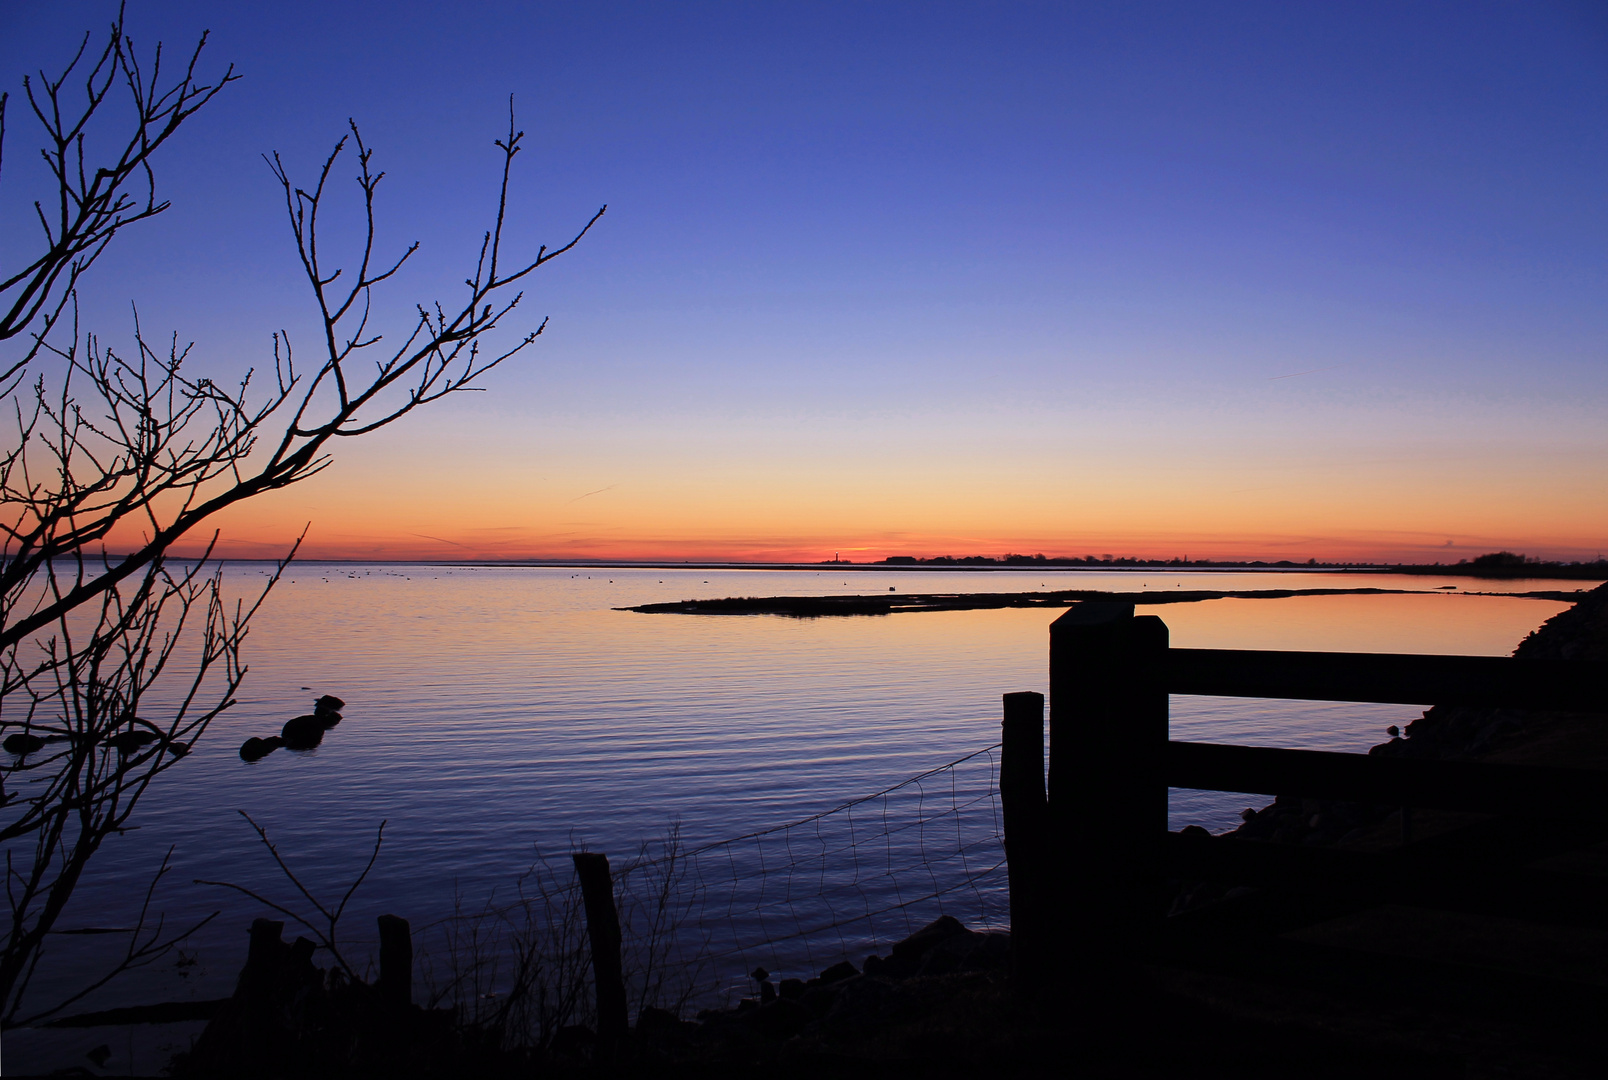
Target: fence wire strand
point(844, 883)
point(794, 898)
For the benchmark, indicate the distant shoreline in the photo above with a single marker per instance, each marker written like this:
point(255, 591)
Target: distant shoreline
point(810, 607)
point(1597, 572)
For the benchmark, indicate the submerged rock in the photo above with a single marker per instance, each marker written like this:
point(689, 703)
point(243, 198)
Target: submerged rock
point(129, 741)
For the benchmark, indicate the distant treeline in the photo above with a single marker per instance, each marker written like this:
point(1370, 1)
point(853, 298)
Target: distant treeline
point(1497, 564)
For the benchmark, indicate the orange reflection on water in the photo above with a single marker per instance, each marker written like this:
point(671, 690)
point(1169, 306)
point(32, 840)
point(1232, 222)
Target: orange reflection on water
point(1435, 623)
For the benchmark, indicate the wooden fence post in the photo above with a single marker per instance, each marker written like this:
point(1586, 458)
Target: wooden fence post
point(603, 928)
point(1107, 784)
point(396, 961)
point(1021, 792)
point(260, 979)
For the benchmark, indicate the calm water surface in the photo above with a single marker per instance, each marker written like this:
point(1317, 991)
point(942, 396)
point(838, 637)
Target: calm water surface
point(492, 712)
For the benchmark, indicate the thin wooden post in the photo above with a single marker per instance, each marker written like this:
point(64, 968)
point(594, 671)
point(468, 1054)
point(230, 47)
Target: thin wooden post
point(1107, 785)
point(1021, 791)
point(396, 961)
point(603, 928)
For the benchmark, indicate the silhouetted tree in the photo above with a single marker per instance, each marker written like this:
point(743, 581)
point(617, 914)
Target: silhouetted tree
point(112, 664)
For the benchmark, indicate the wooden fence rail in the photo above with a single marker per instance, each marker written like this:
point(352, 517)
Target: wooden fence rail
point(1475, 787)
point(1565, 685)
point(1096, 856)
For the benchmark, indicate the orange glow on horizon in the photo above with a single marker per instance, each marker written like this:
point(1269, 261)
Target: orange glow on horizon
point(660, 496)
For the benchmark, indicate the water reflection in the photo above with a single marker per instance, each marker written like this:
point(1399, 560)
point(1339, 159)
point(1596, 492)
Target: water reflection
point(493, 712)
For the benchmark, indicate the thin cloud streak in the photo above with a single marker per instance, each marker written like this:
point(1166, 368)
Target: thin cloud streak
point(599, 491)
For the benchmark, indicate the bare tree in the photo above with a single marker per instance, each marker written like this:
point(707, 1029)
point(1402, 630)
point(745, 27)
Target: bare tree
point(95, 197)
point(107, 445)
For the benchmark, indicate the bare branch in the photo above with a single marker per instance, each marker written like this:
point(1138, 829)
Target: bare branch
point(113, 457)
point(326, 933)
point(94, 202)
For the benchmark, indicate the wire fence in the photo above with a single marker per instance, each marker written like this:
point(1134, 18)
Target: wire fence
point(795, 899)
point(850, 881)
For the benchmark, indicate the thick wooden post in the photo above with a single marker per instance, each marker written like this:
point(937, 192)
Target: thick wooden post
point(396, 961)
point(1021, 791)
point(603, 928)
point(1108, 806)
point(259, 980)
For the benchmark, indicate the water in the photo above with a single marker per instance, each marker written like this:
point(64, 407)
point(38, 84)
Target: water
point(495, 712)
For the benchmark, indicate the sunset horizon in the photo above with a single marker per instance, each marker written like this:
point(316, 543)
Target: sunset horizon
point(638, 538)
point(1262, 288)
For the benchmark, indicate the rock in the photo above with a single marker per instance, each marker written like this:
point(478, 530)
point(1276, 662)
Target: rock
point(990, 952)
point(791, 988)
point(780, 1018)
point(820, 999)
point(303, 732)
point(1194, 830)
point(861, 1003)
point(838, 972)
point(255, 749)
point(916, 945)
point(1247, 814)
point(22, 743)
point(128, 741)
point(899, 967)
point(329, 703)
point(1261, 827)
point(660, 1024)
point(874, 964)
point(951, 954)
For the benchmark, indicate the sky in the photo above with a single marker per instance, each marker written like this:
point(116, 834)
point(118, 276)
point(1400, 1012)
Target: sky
point(1241, 280)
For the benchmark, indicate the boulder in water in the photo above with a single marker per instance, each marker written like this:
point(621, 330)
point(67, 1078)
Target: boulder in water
point(303, 732)
point(255, 748)
point(22, 743)
point(129, 741)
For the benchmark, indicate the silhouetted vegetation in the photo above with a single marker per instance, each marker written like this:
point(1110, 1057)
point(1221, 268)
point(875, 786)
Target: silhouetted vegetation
point(1494, 564)
point(124, 443)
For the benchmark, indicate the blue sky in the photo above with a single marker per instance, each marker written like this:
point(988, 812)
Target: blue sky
point(1259, 278)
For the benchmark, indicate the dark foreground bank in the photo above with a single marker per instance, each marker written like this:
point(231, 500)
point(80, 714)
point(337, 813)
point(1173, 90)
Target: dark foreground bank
point(940, 1003)
point(1488, 992)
